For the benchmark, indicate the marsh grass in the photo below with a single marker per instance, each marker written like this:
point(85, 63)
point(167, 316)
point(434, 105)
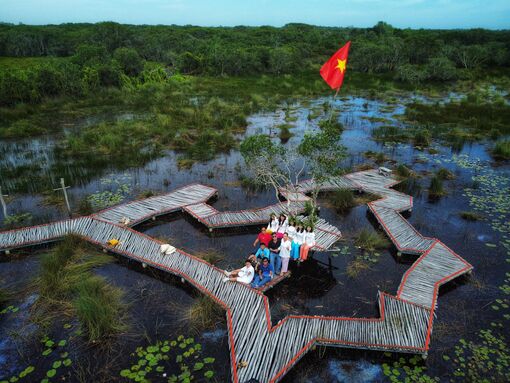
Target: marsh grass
point(204, 314)
point(355, 267)
point(210, 255)
point(97, 306)
point(342, 200)
point(471, 216)
point(445, 174)
point(371, 240)
point(436, 188)
point(285, 134)
point(67, 287)
point(501, 150)
point(4, 297)
point(403, 171)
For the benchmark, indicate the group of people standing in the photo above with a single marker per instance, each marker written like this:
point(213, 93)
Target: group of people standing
point(280, 241)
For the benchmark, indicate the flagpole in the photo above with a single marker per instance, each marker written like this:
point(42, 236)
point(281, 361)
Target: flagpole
point(332, 103)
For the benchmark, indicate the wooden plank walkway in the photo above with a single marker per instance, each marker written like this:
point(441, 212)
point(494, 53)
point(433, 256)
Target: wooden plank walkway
point(405, 321)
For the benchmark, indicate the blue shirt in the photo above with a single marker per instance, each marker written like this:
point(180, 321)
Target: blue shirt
point(262, 253)
point(266, 270)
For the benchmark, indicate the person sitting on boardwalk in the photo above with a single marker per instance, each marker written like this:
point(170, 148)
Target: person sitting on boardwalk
point(262, 252)
point(273, 224)
point(243, 275)
point(274, 248)
point(265, 274)
point(283, 223)
point(263, 237)
point(285, 248)
point(309, 241)
point(297, 241)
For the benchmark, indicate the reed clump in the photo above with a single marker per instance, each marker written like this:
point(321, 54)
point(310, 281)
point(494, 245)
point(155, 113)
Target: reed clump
point(67, 285)
point(436, 188)
point(370, 240)
point(501, 150)
point(342, 200)
point(204, 314)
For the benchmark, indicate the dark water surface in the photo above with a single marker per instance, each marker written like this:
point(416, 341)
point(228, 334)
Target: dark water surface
point(319, 286)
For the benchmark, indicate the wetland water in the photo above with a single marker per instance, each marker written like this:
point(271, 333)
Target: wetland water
point(320, 286)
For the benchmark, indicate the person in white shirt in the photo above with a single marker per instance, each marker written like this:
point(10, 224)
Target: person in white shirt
point(291, 229)
point(285, 248)
point(283, 223)
point(309, 242)
point(273, 224)
point(244, 275)
point(297, 241)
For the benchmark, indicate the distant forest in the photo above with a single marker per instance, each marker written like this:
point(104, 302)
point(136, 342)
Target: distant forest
point(99, 55)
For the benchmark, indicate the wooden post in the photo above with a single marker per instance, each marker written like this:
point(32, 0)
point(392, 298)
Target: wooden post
point(63, 188)
point(2, 201)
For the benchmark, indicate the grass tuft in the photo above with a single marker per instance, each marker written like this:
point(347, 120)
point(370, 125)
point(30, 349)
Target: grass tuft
point(445, 174)
point(211, 256)
point(204, 314)
point(501, 150)
point(67, 287)
point(97, 306)
point(436, 187)
point(471, 216)
point(371, 240)
point(342, 200)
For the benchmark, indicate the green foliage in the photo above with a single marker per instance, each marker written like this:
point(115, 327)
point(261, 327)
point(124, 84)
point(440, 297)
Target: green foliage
point(475, 361)
point(371, 240)
point(471, 216)
point(285, 134)
point(445, 174)
point(129, 60)
point(421, 138)
point(17, 220)
point(403, 171)
point(436, 187)
point(390, 133)
point(211, 256)
point(501, 150)
point(475, 117)
point(342, 200)
point(118, 188)
point(66, 284)
point(204, 314)
point(168, 357)
point(98, 306)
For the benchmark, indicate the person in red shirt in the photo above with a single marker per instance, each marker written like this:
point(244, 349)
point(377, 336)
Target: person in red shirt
point(263, 237)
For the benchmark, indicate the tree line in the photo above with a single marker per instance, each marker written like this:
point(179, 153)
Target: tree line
point(101, 54)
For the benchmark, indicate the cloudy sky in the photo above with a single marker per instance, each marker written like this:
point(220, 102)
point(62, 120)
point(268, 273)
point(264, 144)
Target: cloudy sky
point(494, 14)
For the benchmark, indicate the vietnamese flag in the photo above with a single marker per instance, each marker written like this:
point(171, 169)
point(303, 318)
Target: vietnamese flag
point(334, 69)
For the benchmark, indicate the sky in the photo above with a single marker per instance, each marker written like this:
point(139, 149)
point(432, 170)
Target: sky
point(493, 14)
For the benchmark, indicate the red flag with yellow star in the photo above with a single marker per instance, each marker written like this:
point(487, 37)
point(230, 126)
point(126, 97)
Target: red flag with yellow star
point(334, 69)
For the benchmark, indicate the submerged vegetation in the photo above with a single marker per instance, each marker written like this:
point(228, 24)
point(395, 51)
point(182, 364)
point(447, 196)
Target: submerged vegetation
point(67, 286)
